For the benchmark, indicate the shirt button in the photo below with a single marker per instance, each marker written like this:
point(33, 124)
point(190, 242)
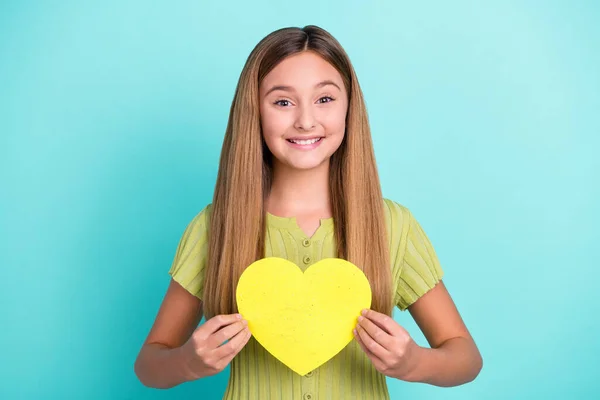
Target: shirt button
point(307, 396)
point(306, 259)
point(306, 243)
point(309, 374)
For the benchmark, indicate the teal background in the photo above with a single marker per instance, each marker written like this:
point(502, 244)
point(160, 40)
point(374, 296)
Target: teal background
point(485, 123)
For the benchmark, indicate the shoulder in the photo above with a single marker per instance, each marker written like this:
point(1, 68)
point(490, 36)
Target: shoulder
point(397, 215)
point(398, 220)
point(203, 215)
point(394, 206)
point(190, 258)
point(402, 221)
point(199, 222)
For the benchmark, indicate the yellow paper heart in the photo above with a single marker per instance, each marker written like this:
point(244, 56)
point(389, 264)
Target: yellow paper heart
point(303, 319)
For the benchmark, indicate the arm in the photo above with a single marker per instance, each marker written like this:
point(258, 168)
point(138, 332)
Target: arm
point(160, 362)
point(176, 352)
point(453, 358)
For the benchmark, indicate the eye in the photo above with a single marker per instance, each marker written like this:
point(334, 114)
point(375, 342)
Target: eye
point(283, 103)
point(325, 99)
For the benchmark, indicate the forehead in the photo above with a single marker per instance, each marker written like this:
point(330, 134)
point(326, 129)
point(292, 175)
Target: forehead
point(301, 70)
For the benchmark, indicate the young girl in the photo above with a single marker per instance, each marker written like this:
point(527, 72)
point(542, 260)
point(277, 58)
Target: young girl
point(298, 180)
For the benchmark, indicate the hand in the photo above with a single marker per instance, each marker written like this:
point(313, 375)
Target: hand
point(205, 352)
point(389, 346)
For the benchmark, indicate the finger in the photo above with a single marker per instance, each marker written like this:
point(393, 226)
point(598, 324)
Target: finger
point(225, 333)
point(376, 333)
point(385, 322)
point(374, 359)
point(217, 322)
point(227, 351)
point(371, 345)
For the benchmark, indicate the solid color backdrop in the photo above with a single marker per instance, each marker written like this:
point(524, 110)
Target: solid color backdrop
point(485, 122)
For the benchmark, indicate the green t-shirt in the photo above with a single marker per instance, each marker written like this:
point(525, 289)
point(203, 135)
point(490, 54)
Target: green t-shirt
point(255, 373)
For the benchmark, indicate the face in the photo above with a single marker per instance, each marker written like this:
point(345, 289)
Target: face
point(303, 105)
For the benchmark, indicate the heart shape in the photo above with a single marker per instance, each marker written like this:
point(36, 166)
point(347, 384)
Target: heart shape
point(302, 319)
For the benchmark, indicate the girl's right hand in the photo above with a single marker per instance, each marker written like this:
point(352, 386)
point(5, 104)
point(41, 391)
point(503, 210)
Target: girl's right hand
point(205, 352)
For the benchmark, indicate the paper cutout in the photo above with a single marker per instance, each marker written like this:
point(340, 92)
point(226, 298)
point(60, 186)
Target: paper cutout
point(303, 319)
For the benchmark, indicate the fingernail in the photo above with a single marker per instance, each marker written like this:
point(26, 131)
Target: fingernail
point(354, 331)
point(244, 322)
point(360, 319)
point(238, 316)
point(364, 312)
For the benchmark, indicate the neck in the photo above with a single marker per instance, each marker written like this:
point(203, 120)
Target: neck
point(299, 192)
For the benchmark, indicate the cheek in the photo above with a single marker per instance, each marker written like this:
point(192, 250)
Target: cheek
point(274, 126)
point(335, 122)
point(273, 123)
point(268, 130)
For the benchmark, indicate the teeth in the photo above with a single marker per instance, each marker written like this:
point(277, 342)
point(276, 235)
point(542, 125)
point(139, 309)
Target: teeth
point(305, 142)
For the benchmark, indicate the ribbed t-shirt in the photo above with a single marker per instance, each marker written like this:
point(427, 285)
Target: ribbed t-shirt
point(255, 374)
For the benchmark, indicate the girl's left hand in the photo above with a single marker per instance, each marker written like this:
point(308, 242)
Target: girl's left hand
point(389, 346)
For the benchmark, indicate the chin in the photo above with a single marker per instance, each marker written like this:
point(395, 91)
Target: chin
point(306, 165)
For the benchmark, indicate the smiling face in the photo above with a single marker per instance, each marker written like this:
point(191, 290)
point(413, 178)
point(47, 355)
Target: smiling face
point(303, 106)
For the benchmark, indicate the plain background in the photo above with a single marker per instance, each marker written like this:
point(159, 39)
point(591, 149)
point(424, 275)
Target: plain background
point(112, 114)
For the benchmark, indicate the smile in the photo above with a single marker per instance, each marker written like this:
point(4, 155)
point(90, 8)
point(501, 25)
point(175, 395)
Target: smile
point(304, 142)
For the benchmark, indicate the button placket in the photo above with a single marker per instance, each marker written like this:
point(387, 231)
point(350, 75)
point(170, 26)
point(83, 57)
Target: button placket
point(308, 386)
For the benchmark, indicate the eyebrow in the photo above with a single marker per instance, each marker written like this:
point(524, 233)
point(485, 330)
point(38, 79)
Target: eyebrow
point(291, 89)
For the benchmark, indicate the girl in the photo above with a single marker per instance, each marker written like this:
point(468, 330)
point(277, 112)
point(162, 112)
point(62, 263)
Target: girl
point(298, 180)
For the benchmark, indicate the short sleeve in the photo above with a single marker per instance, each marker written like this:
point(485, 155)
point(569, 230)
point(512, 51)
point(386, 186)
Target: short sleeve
point(189, 263)
point(420, 269)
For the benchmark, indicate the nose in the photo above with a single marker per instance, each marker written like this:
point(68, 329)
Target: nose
point(305, 120)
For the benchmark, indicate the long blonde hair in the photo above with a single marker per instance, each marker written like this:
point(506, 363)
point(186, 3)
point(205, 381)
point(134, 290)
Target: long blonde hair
point(238, 216)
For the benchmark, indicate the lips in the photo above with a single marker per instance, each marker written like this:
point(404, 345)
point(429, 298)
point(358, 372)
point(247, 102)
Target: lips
point(305, 142)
